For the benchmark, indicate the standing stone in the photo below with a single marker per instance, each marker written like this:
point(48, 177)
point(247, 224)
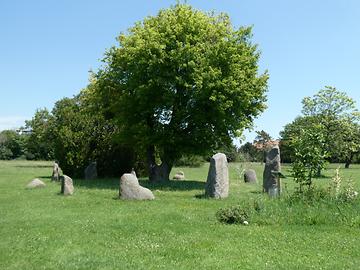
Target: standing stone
point(56, 173)
point(36, 183)
point(250, 176)
point(130, 189)
point(179, 176)
point(67, 187)
point(217, 184)
point(91, 171)
point(271, 184)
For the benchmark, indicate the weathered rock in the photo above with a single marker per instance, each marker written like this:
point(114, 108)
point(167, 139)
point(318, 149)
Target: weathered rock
point(217, 184)
point(130, 189)
point(91, 171)
point(250, 176)
point(56, 173)
point(272, 165)
point(67, 187)
point(179, 176)
point(36, 183)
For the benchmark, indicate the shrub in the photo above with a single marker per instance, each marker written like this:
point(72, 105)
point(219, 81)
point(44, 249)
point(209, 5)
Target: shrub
point(233, 215)
point(340, 192)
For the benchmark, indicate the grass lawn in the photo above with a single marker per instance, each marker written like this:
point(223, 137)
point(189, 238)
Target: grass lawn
point(40, 229)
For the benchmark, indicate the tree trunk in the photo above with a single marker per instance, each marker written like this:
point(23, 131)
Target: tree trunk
point(157, 173)
point(348, 161)
point(347, 164)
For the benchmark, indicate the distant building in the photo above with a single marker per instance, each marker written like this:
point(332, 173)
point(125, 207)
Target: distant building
point(266, 145)
point(22, 131)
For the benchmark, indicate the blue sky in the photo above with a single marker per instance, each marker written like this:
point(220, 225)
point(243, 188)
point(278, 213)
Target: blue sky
point(48, 47)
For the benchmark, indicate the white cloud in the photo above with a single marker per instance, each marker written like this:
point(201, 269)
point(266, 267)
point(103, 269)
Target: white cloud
point(12, 122)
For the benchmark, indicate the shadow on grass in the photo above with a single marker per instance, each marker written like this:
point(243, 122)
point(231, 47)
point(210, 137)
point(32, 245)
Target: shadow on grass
point(174, 185)
point(113, 183)
point(33, 166)
point(45, 177)
point(201, 196)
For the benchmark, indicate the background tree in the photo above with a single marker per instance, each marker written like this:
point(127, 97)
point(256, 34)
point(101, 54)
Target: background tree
point(11, 145)
point(348, 143)
point(309, 154)
point(82, 135)
point(261, 142)
point(182, 82)
point(291, 131)
point(40, 143)
point(338, 114)
point(251, 153)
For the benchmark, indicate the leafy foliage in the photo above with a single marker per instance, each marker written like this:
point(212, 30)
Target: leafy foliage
point(251, 153)
point(181, 83)
point(337, 113)
point(40, 144)
point(309, 156)
point(83, 135)
point(233, 215)
point(190, 161)
point(11, 145)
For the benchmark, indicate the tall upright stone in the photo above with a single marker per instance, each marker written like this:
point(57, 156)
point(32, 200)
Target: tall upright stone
point(271, 183)
point(67, 187)
point(56, 173)
point(217, 184)
point(91, 171)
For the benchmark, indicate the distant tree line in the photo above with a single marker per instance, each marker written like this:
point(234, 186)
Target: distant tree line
point(327, 131)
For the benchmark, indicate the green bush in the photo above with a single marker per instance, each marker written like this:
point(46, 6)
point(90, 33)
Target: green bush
point(190, 161)
point(233, 215)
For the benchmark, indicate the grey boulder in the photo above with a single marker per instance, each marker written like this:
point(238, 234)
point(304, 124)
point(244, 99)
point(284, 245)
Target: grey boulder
point(130, 189)
point(250, 176)
point(35, 183)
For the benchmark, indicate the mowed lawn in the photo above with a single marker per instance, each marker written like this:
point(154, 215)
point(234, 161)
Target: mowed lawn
point(93, 229)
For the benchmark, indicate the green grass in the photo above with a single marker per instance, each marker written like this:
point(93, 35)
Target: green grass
point(40, 229)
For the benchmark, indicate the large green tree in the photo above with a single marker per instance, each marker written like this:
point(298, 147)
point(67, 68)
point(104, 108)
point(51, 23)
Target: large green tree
point(181, 82)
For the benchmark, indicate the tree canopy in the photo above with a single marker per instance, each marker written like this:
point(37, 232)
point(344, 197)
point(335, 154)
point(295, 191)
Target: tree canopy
point(336, 115)
point(181, 82)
